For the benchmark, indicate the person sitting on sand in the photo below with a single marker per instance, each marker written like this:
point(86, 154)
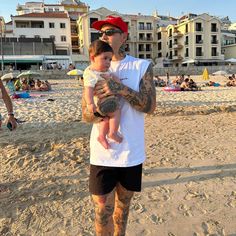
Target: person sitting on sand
point(44, 86)
point(37, 84)
point(185, 85)
point(48, 85)
point(24, 85)
point(231, 82)
point(192, 85)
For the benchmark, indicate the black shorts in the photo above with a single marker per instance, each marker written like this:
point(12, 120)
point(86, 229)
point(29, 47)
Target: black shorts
point(103, 179)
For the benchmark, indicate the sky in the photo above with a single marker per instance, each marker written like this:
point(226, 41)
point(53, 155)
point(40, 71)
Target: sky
point(175, 8)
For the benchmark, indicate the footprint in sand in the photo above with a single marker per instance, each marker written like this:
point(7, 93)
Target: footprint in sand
point(156, 219)
point(212, 227)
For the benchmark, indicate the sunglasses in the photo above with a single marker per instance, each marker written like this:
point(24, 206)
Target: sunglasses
point(109, 32)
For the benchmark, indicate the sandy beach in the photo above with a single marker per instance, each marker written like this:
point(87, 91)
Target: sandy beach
point(189, 176)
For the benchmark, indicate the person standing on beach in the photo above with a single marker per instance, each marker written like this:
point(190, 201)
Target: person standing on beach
point(116, 173)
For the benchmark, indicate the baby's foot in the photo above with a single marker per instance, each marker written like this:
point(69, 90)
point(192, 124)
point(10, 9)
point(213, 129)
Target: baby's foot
point(117, 138)
point(102, 140)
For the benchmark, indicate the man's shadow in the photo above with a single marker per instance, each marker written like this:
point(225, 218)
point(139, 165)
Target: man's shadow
point(228, 170)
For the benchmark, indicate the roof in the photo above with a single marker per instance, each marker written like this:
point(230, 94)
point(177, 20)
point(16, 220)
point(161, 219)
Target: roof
point(45, 15)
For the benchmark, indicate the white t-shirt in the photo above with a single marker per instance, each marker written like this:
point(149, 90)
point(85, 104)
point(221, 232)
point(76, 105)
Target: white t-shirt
point(91, 77)
point(131, 151)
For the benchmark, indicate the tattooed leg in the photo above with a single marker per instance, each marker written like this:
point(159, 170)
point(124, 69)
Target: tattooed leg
point(122, 202)
point(104, 207)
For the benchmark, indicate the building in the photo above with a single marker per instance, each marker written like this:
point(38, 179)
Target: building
point(37, 34)
point(195, 39)
point(142, 37)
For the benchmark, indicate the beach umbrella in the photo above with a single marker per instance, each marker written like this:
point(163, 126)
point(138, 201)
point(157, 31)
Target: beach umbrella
point(205, 74)
point(220, 72)
point(75, 72)
point(10, 76)
point(29, 74)
point(231, 60)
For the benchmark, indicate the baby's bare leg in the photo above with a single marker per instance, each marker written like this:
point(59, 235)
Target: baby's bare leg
point(103, 131)
point(114, 122)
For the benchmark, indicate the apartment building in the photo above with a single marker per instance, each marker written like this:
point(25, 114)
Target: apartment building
point(74, 8)
point(195, 39)
point(142, 37)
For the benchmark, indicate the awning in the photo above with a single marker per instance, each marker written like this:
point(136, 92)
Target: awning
point(22, 59)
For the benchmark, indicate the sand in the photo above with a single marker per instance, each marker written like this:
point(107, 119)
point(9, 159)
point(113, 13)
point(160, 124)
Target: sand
point(189, 177)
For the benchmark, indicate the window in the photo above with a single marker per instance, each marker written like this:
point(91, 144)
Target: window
point(186, 40)
point(148, 47)
point(214, 27)
point(22, 36)
point(141, 25)
point(149, 37)
point(37, 36)
point(214, 52)
point(52, 37)
point(214, 39)
point(159, 46)
point(51, 25)
point(94, 36)
point(199, 27)
point(199, 39)
point(148, 56)
point(92, 20)
point(186, 52)
point(149, 26)
point(141, 36)
point(186, 28)
point(141, 56)
point(170, 44)
point(159, 35)
point(170, 33)
point(141, 47)
point(63, 38)
point(159, 55)
point(199, 52)
point(62, 25)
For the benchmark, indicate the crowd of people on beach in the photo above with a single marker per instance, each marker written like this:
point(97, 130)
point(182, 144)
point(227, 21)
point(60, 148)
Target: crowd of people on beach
point(181, 82)
point(27, 84)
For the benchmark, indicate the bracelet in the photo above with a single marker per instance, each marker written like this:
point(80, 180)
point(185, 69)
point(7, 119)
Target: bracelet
point(11, 114)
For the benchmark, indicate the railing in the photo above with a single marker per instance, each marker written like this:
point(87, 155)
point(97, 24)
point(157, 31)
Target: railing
point(199, 42)
point(214, 41)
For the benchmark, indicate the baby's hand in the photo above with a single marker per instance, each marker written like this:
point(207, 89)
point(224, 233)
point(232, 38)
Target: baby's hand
point(91, 107)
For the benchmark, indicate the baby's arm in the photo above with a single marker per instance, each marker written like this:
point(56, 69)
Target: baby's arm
point(88, 95)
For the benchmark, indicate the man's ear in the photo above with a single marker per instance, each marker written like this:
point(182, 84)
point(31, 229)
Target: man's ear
point(125, 36)
point(91, 57)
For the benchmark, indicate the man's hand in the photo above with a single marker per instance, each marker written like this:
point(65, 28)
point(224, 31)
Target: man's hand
point(91, 108)
point(12, 120)
point(110, 86)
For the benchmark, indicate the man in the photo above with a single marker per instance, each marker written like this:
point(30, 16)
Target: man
point(115, 173)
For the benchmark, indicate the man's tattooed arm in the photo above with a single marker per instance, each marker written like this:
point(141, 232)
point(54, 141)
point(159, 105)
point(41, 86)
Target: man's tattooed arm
point(145, 99)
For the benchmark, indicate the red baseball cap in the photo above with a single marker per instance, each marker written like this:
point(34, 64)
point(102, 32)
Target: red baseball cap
point(116, 21)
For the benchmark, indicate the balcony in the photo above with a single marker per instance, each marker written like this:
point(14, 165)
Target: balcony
point(186, 43)
point(145, 28)
point(215, 54)
point(199, 29)
point(177, 34)
point(214, 42)
point(177, 57)
point(146, 39)
point(199, 55)
point(177, 46)
point(199, 42)
point(214, 30)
